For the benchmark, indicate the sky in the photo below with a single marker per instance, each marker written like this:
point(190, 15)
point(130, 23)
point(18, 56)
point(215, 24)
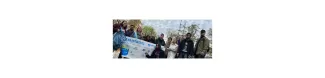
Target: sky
point(161, 26)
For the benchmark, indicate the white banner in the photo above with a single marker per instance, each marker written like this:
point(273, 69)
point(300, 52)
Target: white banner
point(138, 48)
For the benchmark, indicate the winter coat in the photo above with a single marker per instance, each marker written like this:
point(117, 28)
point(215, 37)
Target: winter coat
point(172, 49)
point(118, 39)
point(202, 45)
point(190, 46)
point(129, 33)
point(160, 41)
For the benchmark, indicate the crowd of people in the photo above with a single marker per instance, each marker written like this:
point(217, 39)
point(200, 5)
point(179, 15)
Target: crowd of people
point(175, 47)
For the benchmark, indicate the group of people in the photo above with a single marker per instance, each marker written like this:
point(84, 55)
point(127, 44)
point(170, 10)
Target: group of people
point(175, 47)
point(131, 32)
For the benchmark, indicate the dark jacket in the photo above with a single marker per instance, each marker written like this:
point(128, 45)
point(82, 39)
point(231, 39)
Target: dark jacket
point(152, 40)
point(129, 33)
point(190, 46)
point(160, 41)
point(178, 42)
point(159, 51)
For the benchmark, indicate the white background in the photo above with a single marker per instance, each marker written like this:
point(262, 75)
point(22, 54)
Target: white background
point(73, 38)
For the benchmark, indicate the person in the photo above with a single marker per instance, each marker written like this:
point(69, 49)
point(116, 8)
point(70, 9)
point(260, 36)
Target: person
point(172, 49)
point(146, 38)
point(202, 46)
point(186, 48)
point(118, 39)
point(152, 39)
point(168, 44)
point(178, 40)
point(124, 26)
point(139, 33)
point(161, 40)
point(157, 53)
point(130, 32)
point(119, 26)
point(116, 27)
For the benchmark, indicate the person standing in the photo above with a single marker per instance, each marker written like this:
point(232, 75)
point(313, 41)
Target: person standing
point(167, 45)
point(172, 49)
point(186, 48)
point(178, 39)
point(130, 32)
point(168, 42)
point(139, 33)
point(161, 40)
point(202, 46)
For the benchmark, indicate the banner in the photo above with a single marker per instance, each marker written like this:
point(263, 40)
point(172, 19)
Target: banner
point(138, 48)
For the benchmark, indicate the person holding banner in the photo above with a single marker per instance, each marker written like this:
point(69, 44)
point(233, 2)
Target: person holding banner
point(152, 39)
point(161, 40)
point(157, 53)
point(130, 32)
point(146, 38)
point(139, 33)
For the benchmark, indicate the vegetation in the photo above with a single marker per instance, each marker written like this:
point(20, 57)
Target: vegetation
point(209, 34)
point(136, 22)
point(149, 30)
